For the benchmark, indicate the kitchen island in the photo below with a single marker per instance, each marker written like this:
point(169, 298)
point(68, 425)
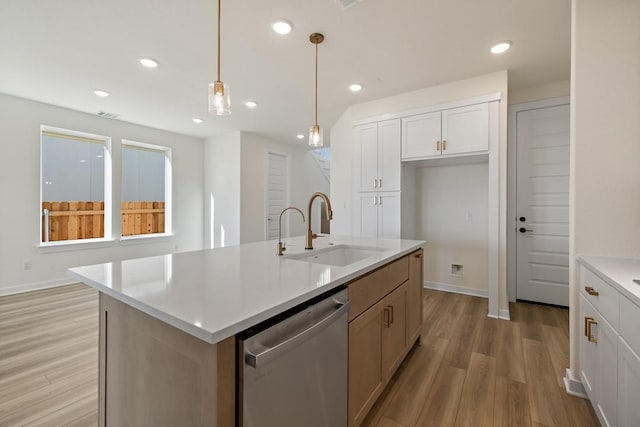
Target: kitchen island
point(168, 323)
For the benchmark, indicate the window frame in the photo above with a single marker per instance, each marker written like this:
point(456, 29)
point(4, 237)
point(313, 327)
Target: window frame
point(108, 200)
point(168, 179)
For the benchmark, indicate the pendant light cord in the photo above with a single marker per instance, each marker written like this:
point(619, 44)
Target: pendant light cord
point(219, 2)
point(316, 84)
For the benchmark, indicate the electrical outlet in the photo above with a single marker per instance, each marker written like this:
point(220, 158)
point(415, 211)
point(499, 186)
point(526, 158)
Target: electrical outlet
point(468, 217)
point(26, 265)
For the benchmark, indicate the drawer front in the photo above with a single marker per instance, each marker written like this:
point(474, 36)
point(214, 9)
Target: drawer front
point(368, 290)
point(607, 300)
point(630, 323)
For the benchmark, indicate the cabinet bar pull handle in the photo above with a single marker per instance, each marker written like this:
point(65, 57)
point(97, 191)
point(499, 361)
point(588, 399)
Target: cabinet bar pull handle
point(586, 325)
point(444, 145)
point(590, 322)
point(386, 317)
point(380, 183)
point(375, 183)
point(391, 311)
point(437, 145)
point(418, 255)
point(591, 291)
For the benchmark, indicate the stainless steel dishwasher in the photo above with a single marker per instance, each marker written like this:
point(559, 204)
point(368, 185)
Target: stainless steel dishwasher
point(293, 369)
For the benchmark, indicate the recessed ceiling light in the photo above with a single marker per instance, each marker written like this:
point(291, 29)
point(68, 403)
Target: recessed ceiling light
point(251, 104)
point(356, 87)
point(197, 120)
point(501, 47)
point(282, 26)
point(101, 92)
point(300, 136)
point(149, 62)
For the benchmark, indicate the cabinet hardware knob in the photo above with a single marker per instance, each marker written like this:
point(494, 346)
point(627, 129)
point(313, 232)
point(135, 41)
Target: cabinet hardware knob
point(591, 291)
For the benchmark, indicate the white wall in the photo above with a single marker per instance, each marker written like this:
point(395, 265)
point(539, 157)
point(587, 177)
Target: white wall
point(540, 92)
point(221, 162)
point(342, 142)
point(452, 216)
point(305, 178)
point(605, 138)
point(20, 122)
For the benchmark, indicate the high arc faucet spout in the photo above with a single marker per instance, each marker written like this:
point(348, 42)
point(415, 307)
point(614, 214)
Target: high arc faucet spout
point(329, 213)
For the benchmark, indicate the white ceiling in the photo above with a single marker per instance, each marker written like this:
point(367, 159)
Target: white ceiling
point(59, 51)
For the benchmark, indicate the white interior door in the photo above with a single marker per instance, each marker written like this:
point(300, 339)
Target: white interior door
point(276, 194)
point(543, 205)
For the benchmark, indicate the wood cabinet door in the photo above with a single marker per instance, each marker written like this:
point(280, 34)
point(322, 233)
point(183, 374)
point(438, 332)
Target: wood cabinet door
point(389, 219)
point(465, 129)
point(389, 155)
point(414, 297)
point(366, 158)
point(628, 385)
point(588, 355)
point(394, 330)
point(421, 136)
point(366, 380)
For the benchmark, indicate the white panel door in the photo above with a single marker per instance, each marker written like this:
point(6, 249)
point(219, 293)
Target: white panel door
point(276, 194)
point(465, 129)
point(628, 385)
point(389, 215)
point(389, 155)
point(543, 205)
point(367, 157)
point(367, 215)
point(421, 136)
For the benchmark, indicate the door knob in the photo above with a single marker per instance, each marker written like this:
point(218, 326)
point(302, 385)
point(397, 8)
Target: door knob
point(524, 230)
point(522, 219)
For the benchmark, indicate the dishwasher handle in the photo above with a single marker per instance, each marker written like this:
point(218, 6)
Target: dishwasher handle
point(255, 360)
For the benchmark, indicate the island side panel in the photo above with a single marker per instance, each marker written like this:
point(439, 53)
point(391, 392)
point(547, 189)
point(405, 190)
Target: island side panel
point(152, 374)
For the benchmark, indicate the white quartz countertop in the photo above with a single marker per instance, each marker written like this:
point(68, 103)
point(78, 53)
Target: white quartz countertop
point(213, 294)
point(618, 272)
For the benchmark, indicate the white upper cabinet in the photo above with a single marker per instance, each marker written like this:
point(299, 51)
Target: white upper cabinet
point(378, 156)
point(465, 129)
point(453, 131)
point(421, 136)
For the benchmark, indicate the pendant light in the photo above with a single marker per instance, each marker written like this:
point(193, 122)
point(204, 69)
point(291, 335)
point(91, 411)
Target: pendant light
point(315, 132)
point(219, 93)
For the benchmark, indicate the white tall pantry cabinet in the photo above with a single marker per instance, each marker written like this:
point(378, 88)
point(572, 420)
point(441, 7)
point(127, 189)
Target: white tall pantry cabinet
point(378, 179)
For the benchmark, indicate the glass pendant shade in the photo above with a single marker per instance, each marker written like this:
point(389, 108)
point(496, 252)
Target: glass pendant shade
point(315, 136)
point(219, 99)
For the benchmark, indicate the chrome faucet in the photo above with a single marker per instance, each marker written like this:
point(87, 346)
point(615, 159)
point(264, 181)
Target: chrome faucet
point(327, 203)
point(281, 245)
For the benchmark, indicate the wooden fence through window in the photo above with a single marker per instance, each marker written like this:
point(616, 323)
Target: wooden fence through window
point(85, 220)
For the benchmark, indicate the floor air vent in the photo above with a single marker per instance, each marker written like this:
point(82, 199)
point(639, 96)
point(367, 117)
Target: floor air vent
point(107, 115)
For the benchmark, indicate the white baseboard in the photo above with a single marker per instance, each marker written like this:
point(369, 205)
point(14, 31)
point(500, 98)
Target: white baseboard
point(26, 287)
point(456, 289)
point(502, 314)
point(573, 386)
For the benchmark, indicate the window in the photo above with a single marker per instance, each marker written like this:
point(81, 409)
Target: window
point(75, 190)
point(146, 189)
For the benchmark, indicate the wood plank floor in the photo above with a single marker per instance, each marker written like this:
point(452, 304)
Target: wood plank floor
point(469, 370)
point(49, 357)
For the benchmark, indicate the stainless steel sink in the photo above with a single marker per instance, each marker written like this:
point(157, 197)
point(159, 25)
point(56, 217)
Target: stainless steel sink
point(339, 255)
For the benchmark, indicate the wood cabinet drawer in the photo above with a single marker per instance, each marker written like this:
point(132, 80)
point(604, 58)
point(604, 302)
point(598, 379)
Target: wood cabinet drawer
point(368, 290)
point(603, 296)
point(630, 323)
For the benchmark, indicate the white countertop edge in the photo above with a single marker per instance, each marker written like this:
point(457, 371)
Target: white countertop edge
point(233, 329)
point(592, 262)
